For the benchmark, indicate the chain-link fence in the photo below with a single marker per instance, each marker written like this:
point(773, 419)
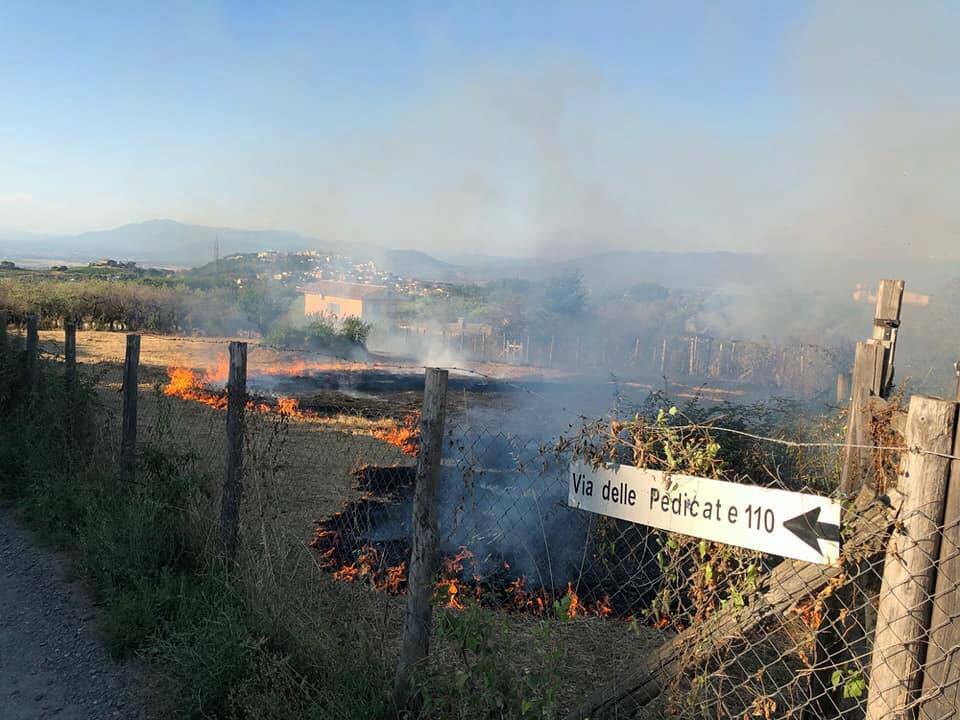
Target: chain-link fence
point(713, 630)
point(629, 620)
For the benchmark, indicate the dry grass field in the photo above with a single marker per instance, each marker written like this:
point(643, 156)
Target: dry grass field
point(297, 471)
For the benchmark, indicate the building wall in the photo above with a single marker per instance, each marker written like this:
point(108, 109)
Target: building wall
point(315, 304)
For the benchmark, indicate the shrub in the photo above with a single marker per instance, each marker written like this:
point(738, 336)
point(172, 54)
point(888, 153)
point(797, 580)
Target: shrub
point(323, 335)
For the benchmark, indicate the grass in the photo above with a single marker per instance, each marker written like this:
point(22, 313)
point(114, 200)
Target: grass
point(274, 637)
point(148, 552)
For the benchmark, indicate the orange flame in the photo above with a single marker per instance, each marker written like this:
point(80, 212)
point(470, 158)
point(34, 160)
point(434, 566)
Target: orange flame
point(190, 385)
point(574, 607)
point(405, 435)
point(396, 579)
point(348, 573)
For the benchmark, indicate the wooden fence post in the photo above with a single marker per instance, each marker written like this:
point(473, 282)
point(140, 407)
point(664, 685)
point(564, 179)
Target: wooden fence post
point(415, 642)
point(872, 375)
point(941, 676)
point(70, 359)
point(909, 569)
point(32, 365)
point(128, 440)
point(886, 321)
point(845, 636)
point(843, 388)
point(232, 482)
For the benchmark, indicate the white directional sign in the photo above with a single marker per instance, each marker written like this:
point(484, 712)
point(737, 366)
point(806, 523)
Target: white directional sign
point(779, 522)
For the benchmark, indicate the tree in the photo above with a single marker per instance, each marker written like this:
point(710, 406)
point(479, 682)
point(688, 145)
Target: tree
point(646, 292)
point(566, 296)
point(355, 330)
point(262, 305)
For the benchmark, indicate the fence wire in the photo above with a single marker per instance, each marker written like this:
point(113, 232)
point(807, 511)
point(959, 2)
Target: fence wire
point(713, 630)
point(648, 623)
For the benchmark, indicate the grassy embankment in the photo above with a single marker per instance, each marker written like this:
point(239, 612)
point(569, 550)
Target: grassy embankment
point(273, 636)
point(219, 635)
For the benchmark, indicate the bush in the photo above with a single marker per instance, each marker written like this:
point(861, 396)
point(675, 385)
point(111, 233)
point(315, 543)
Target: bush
point(322, 335)
point(166, 595)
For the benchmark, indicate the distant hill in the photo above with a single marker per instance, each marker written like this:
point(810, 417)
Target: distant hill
point(156, 242)
point(609, 271)
point(416, 264)
point(171, 243)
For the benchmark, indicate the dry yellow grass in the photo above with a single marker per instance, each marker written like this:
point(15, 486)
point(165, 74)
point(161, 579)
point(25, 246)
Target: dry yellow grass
point(301, 470)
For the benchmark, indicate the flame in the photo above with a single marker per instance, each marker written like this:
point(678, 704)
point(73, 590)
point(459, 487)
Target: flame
point(190, 385)
point(405, 435)
point(451, 586)
point(574, 605)
point(396, 579)
point(289, 406)
point(348, 573)
point(604, 608)
point(193, 385)
point(450, 591)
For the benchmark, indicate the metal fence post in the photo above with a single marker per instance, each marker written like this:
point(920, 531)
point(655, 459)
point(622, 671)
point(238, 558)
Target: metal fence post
point(415, 642)
point(232, 483)
point(909, 569)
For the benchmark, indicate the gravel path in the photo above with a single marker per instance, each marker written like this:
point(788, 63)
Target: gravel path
point(52, 662)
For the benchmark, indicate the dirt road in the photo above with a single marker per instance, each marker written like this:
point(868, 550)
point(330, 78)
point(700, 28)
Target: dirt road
point(52, 663)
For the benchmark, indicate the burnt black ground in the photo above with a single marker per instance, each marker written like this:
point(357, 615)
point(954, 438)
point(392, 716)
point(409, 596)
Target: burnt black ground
point(52, 661)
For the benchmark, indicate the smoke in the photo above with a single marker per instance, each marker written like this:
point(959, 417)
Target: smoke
point(880, 112)
point(846, 150)
point(830, 129)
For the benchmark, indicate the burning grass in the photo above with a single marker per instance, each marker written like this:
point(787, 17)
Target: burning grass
point(346, 551)
point(313, 472)
point(195, 386)
point(405, 435)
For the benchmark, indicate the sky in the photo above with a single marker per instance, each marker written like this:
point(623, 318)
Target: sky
point(528, 128)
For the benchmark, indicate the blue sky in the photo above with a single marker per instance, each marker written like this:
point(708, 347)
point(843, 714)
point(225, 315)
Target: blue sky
point(514, 128)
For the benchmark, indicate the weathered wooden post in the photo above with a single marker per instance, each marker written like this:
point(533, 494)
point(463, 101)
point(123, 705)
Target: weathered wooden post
point(32, 365)
point(941, 676)
point(232, 482)
point(70, 360)
point(843, 388)
point(128, 439)
point(872, 376)
point(3, 333)
point(415, 642)
point(845, 635)
point(909, 570)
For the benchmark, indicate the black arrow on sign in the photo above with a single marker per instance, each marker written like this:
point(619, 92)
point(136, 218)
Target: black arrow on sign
point(809, 529)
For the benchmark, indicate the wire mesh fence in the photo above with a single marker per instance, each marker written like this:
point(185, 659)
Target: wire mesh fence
point(717, 630)
point(650, 623)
